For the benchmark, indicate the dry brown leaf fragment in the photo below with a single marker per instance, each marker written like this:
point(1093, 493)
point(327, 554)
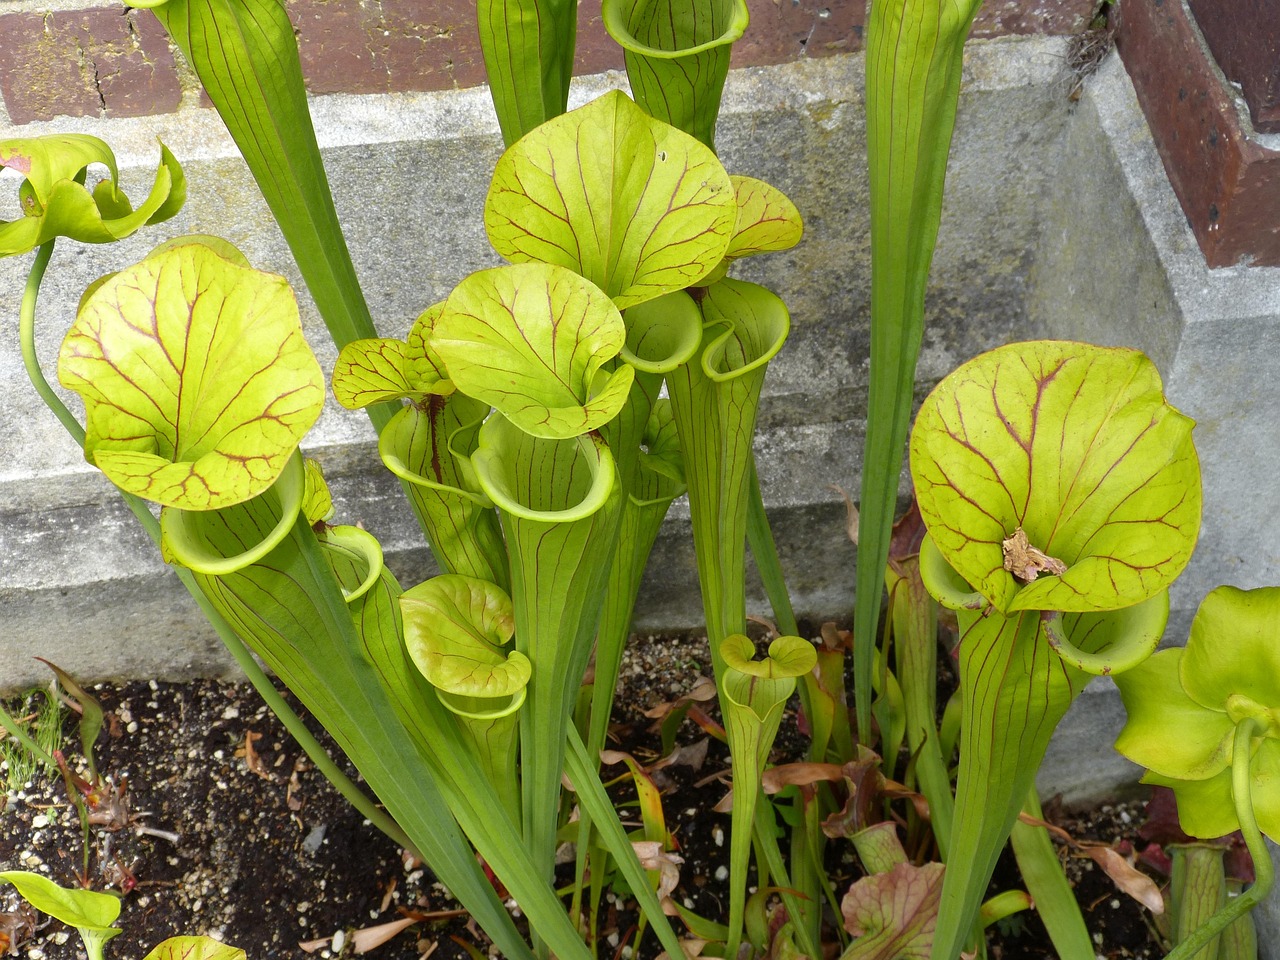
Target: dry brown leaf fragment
point(109, 806)
point(692, 949)
point(17, 926)
point(653, 857)
point(851, 518)
point(770, 627)
point(1126, 876)
point(291, 794)
point(800, 774)
point(368, 938)
point(252, 759)
point(692, 755)
point(836, 639)
point(387, 895)
point(1027, 562)
point(703, 690)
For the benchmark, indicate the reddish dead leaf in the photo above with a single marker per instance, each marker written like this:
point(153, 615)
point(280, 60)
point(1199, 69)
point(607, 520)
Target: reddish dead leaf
point(703, 690)
point(371, 937)
point(1127, 877)
point(706, 724)
point(251, 758)
point(896, 791)
point(1055, 830)
point(893, 914)
point(363, 940)
point(1122, 872)
point(908, 534)
point(866, 787)
point(387, 895)
point(429, 915)
point(800, 775)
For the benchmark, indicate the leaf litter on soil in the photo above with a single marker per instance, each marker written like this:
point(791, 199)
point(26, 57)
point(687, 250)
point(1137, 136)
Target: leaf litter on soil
point(268, 856)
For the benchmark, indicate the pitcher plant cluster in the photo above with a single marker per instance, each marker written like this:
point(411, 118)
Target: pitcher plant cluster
point(542, 419)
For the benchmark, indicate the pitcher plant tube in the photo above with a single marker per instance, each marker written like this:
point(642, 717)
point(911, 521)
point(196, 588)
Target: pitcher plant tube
point(1062, 496)
point(522, 415)
point(915, 50)
point(677, 56)
point(56, 178)
point(1202, 720)
point(317, 605)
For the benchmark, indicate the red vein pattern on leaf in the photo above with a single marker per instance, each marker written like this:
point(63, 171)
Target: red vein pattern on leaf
point(1085, 459)
point(525, 196)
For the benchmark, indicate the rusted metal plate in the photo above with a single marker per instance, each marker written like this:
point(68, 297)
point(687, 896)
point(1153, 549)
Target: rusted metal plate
point(1244, 37)
point(1227, 182)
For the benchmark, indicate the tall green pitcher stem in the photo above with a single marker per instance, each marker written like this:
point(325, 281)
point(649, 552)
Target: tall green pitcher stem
point(1263, 869)
point(244, 659)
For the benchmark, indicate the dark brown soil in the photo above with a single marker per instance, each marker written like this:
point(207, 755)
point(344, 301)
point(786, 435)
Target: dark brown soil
point(266, 855)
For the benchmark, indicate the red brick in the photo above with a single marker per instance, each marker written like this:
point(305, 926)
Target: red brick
point(403, 45)
point(998, 18)
point(433, 35)
point(788, 30)
point(1228, 184)
point(96, 62)
point(1244, 37)
point(596, 51)
point(99, 61)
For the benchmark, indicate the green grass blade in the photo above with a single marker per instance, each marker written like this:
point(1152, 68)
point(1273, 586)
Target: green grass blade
point(914, 52)
point(91, 716)
point(581, 768)
point(915, 631)
point(1053, 895)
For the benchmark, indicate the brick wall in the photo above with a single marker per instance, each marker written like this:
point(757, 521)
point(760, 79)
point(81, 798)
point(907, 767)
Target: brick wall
point(87, 58)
